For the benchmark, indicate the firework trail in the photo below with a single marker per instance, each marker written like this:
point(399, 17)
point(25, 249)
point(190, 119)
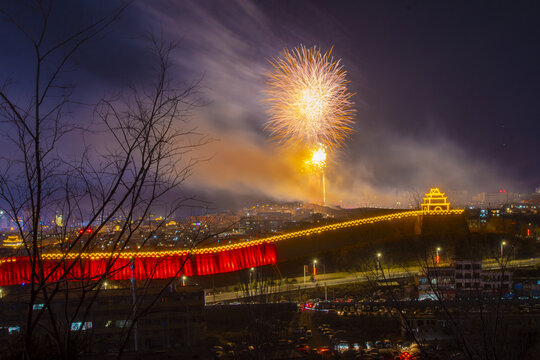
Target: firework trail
point(309, 102)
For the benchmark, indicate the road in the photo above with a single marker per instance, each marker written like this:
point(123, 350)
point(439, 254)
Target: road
point(341, 278)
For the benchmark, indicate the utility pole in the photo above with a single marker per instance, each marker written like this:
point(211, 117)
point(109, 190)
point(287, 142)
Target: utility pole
point(133, 295)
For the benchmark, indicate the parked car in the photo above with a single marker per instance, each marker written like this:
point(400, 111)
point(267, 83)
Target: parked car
point(303, 348)
point(323, 350)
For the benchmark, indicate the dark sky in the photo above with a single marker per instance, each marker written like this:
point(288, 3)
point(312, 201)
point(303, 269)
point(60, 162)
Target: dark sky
point(446, 90)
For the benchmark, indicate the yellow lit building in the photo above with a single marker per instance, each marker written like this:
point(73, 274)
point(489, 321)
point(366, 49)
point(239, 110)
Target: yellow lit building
point(435, 201)
point(13, 241)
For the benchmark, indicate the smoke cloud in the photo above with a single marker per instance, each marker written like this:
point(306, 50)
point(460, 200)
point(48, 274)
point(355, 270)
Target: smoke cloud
point(379, 167)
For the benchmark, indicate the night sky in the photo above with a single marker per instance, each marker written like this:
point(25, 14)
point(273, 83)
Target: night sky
point(446, 92)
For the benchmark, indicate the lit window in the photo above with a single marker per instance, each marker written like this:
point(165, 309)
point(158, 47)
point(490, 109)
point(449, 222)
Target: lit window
point(37, 306)
point(14, 329)
point(76, 326)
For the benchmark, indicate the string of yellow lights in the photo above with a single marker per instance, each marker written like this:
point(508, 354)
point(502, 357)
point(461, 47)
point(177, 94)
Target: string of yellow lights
point(271, 239)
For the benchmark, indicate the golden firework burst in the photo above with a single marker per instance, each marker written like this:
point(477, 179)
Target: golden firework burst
point(309, 102)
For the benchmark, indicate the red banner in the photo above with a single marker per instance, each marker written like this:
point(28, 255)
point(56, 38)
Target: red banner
point(17, 270)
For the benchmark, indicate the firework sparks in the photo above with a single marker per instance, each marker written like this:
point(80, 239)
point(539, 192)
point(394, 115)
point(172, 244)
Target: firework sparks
point(317, 161)
point(309, 100)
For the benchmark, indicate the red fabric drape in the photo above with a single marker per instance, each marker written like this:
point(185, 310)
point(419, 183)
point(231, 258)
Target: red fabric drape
point(17, 270)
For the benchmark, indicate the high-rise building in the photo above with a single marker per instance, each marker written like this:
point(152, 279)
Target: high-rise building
point(58, 220)
point(4, 220)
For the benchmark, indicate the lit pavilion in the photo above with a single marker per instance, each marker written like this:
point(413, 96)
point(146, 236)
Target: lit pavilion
point(435, 201)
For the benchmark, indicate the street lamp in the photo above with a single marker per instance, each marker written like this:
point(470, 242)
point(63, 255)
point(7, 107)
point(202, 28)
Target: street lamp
point(379, 255)
point(314, 267)
point(437, 258)
point(184, 280)
point(502, 246)
point(251, 274)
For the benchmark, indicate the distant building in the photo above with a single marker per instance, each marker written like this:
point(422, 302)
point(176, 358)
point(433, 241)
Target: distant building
point(12, 241)
point(498, 198)
point(175, 321)
point(496, 282)
point(4, 221)
point(468, 277)
point(58, 220)
point(439, 282)
point(464, 279)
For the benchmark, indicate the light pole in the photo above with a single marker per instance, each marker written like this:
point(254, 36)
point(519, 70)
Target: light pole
point(250, 275)
point(184, 280)
point(502, 246)
point(314, 268)
point(437, 258)
point(379, 255)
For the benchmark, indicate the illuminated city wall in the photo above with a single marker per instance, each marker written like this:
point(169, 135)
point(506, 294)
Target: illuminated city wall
point(167, 263)
point(17, 270)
